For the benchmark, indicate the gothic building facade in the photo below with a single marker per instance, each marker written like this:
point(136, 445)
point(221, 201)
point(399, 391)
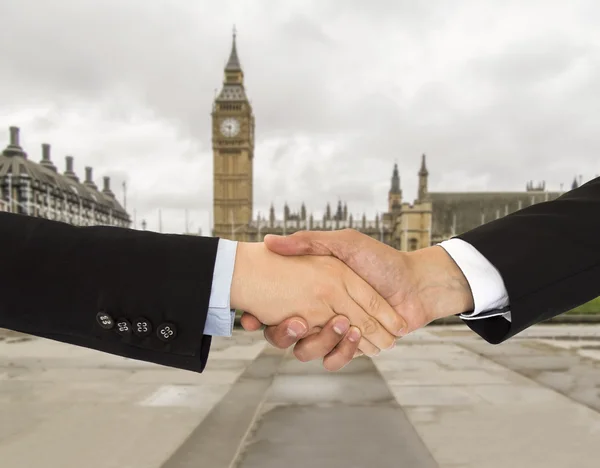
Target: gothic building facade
point(430, 218)
point(38, 189)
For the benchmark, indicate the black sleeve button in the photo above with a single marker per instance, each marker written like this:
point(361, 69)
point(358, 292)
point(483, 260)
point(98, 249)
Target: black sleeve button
point(142, 327)
point(123, 327)
point(166, 332)
point(105, 320)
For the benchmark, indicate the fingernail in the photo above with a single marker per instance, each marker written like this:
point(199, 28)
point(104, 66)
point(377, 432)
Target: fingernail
point(296, 328)
point(393, 345)
point(354, 335)
point(341, 327)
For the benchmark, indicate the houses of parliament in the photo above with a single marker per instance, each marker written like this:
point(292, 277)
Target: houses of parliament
point(430, 218)
point(39, 189)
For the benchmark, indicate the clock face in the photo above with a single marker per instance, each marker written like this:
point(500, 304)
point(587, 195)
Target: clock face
point(230, 127)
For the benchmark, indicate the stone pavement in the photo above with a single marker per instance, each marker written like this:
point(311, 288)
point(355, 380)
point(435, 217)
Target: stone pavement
point(441, 398)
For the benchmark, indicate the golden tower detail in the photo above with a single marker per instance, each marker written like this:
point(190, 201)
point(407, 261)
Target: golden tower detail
point(233, 154)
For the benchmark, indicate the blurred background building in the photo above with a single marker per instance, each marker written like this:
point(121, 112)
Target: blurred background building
point(39, 189)
point(430, 218)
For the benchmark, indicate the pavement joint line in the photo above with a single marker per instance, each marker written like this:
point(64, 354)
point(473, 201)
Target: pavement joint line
point(401, 408)
point(292, 432)
point(529, 378)
point(242, 445)
point(214, 440)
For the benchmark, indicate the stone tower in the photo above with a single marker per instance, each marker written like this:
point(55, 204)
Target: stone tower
point(423, 194)
point(233, 154)
point(395, 193)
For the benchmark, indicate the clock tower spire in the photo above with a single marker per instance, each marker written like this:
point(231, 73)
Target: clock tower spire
point(233, 153)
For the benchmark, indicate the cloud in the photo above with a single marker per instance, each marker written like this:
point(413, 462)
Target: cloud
point(495, 93)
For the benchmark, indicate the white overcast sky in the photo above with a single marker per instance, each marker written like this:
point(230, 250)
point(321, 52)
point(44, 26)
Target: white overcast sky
point(495, 93)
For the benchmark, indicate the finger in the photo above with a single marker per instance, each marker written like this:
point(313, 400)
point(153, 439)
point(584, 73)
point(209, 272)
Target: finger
point(250, 322)
point(299, 243)
point(358, 353)
point(319, 345)
point(371, 329)
point(379, 312)
point(361, 304)
point(286, 333)
point(368, 348)
point(344, 352)
point(343, 244)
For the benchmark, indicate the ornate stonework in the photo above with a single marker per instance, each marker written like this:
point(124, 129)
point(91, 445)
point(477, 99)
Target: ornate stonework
point(431, 218)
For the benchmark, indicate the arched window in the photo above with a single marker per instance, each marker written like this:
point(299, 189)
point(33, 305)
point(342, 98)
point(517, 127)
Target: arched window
point(413, 244)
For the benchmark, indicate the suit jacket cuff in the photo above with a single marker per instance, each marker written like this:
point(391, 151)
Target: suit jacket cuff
point(489, 292)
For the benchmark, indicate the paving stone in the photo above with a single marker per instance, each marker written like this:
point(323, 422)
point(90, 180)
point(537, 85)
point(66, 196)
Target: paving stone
point(347, 436)
point(445, 377)
point(442, 395)
point(317, 389)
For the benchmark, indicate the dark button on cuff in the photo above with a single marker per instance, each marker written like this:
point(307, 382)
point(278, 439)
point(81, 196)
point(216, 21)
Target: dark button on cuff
point(142, 327)
point(105, 320)
point(123, 327)
point(166, 332)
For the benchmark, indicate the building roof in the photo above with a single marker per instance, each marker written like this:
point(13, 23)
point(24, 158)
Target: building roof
point(14, 162)
point(233, 88)
point(233, 64)
point(458, 212)
point(232, 92)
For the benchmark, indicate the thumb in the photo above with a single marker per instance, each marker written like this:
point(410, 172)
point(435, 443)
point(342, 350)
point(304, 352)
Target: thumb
point(299, 243)
point(250, 322)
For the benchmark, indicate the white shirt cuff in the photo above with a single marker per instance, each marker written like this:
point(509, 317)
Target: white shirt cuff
point(487, 286)
point(220, 318)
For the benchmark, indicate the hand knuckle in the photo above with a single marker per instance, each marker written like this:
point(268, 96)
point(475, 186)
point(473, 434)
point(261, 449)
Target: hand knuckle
point(369, 326)
point(322, 290)
point(374, 303)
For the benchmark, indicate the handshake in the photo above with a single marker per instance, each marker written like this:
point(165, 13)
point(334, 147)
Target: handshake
point(340, 294)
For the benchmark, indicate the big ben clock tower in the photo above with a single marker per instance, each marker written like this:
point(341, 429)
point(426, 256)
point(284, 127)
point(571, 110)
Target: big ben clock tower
point(233, 154)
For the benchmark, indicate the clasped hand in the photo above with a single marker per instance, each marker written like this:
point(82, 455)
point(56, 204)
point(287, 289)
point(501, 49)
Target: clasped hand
point(273, 288)
point(318, 290)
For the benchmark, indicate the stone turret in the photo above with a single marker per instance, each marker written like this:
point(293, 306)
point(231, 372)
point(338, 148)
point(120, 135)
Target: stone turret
point(423, 180)
point(286, 212)
point(339, 214)
point(395, 193)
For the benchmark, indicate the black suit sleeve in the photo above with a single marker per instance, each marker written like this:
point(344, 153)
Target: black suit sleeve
point(67, 283)
point(548, 256)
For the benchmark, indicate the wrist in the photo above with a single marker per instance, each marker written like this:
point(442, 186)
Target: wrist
point(244, 271)
point(440, 284)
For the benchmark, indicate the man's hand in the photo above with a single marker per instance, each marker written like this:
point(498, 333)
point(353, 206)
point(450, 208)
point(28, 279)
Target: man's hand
point(274, 288)
point(337, 342)
point(421, 286)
